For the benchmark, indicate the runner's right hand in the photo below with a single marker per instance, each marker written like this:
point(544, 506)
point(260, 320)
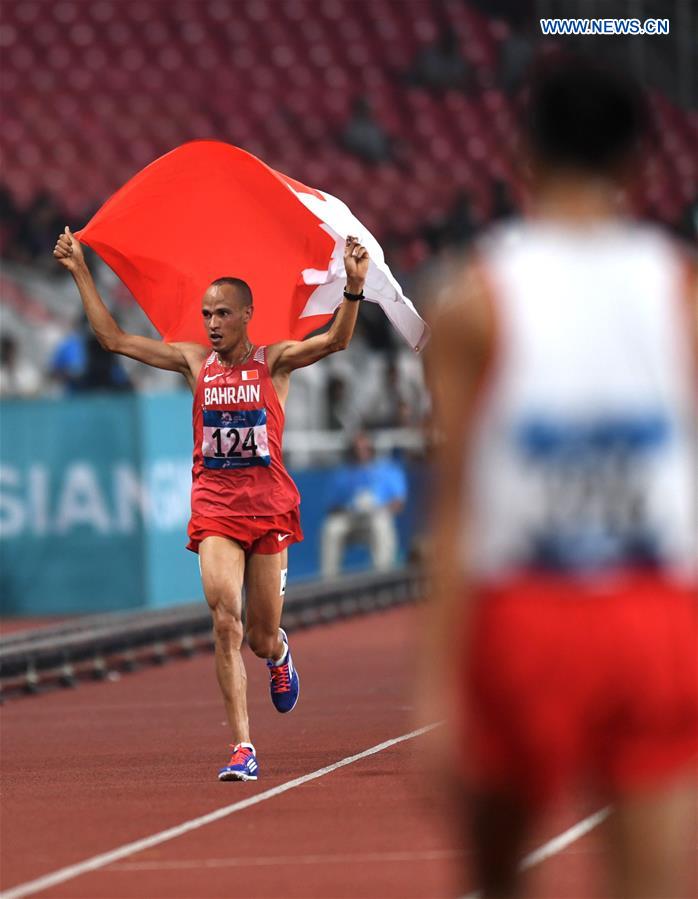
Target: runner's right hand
point(68, 251)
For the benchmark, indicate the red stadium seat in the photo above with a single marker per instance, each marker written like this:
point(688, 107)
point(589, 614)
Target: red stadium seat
point(279, 78)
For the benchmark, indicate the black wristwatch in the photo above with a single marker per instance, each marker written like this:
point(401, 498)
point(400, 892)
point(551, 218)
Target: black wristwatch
point(354, 297)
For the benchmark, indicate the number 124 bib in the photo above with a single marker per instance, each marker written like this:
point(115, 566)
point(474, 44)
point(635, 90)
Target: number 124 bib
point(235, 439)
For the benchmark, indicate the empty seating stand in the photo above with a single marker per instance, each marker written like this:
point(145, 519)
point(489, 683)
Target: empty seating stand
point(93, 90)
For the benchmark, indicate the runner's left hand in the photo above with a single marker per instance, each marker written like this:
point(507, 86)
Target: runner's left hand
point(356, 260)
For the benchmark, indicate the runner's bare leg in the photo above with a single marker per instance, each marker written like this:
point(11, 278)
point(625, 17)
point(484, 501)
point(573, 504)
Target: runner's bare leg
point(652, 838)
point(265, 603)
point(498, 826)
point(222, 574)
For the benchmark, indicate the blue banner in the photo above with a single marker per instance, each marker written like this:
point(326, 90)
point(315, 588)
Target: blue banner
point(71, 521)
point(95, 500)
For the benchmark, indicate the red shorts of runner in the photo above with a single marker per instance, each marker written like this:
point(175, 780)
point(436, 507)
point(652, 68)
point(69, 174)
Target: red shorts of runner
point(263, 534)
point(563, 684)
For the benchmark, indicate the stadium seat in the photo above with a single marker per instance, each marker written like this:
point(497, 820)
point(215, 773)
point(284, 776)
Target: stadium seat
point(279, 79)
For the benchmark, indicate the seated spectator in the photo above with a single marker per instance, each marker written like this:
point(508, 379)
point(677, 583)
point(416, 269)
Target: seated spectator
point(17, 377)
point(363, 135)
point(440, 66)
point(688, 225)
point(344, 391)
point(9, 217)
point(36, 229)
point(364, 499)
point(398, 255)
point(456, 228)
point(340, 414)
point(81, 365)
point(503, 206)
point(515, 58)
point(396, 401)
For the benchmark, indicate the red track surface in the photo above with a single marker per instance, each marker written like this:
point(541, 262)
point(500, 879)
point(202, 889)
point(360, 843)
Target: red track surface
point(86, 771)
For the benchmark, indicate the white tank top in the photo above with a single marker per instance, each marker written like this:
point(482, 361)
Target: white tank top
point(584, 456)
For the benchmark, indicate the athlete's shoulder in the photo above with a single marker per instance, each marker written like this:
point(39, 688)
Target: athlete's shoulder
point(462, 318)
point(677, 248)
point(505, 245)
point(194, 353)
point(503, 235)
point(274, 351)
point(647, 237)
point(656, 258)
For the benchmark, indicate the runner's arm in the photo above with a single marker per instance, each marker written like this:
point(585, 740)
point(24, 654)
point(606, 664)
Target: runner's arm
point(179, 357)
point(289, 355)
point(455, 360)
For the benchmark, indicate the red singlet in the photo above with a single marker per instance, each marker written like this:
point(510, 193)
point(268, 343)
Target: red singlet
point(238, 470)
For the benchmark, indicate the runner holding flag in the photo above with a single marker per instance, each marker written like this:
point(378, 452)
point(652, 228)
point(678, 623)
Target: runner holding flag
point(244, 504)
point(283, 238)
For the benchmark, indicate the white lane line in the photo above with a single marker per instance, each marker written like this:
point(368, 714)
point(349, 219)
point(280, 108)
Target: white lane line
point(106, 858)
point(565, 839)
point(558, 843)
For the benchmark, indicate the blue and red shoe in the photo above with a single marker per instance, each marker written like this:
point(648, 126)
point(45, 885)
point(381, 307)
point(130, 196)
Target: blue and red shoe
point(242, 765)
point(284, 684)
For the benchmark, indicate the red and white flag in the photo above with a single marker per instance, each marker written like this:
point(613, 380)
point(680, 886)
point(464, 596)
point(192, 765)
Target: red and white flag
point(208, 210)
point(250, 375)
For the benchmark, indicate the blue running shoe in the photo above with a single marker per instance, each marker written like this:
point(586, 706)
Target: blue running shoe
point(284, 684)
point(242, 765)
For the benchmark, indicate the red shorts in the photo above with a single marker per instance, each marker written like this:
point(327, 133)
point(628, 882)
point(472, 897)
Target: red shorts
point(562, 684)
point(263, 534)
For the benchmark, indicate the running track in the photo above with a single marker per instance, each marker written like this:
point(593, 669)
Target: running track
point(91, 770)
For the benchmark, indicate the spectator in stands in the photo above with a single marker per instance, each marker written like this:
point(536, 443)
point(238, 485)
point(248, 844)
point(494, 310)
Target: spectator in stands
point(515, 58)
point(81, 365)
point(396, 401)
point(502, 205)
point(37, 230)
point(17, 377)
point(397, 255)
point(440, 66)
point(374, 327)
point(365, 496)
point(688, 225)
point(364, 136)
point(9, 217)
point(455, 229)
point(340, 417)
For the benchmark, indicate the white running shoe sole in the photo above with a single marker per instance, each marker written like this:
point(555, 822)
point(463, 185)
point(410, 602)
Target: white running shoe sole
point(236, 775)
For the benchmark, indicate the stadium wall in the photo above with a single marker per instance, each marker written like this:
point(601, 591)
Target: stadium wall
point(94, 503)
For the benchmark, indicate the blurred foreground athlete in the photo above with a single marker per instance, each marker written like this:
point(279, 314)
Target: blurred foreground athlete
point(244, 504)
point(564, 371)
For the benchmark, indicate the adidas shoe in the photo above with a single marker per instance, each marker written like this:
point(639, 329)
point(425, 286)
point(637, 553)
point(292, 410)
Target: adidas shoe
point(242, 765)
point(284, 685)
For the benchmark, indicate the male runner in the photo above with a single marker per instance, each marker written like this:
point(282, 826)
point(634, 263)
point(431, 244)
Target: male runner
point(244, 504)
point(565, 379)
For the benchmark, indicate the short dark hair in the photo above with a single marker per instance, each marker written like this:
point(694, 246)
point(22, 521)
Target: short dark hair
point(584, 117)
point(242, 287)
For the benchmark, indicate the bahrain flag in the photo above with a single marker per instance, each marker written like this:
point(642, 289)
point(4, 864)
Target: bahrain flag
point(207, 210)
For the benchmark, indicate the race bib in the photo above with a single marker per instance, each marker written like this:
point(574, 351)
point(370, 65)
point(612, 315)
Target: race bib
point(235, 439)
point(590, 490)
